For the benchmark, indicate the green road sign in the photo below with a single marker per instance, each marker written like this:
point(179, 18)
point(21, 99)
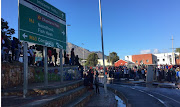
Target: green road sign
point(42, 23)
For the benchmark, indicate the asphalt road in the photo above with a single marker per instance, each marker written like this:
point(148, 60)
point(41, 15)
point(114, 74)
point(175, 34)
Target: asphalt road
point(139, 96)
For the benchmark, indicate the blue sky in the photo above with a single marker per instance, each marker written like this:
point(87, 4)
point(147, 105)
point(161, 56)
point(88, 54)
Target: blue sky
point(129, 26)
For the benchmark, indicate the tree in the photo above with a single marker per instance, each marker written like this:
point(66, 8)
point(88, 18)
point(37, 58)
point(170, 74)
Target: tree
point(178, 50)
point(112, 57)
point(92, 59)
point(5, 30)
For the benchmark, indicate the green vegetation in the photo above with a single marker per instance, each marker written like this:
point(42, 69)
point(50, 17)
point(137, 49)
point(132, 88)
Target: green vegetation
point(92, 59)
point(5, 30)
point(113, 57)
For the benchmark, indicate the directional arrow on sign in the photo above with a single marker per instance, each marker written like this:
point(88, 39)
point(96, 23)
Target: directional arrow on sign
point(24, 35)
point(63, 33)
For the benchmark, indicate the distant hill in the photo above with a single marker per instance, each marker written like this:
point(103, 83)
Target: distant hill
point(79, 51)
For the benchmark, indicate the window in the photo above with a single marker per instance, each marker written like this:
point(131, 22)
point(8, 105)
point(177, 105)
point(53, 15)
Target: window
point(141, 61)
point(147, 60)
point(136, 61)
point(163, 59)
point(158, 60)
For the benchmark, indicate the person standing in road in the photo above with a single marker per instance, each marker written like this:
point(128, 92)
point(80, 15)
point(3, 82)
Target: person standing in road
point(96, 82)
point(173, 78)
point(143, 74)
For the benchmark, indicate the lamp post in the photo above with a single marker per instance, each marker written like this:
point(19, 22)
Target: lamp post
point(100, 14)
point(66, 31)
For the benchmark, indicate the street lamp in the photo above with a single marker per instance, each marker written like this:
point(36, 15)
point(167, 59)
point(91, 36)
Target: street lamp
point(66, 31)
point(100, 14)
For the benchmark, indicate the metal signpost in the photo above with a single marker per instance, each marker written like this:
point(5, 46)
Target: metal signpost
point(42, 24)
point(100, 14)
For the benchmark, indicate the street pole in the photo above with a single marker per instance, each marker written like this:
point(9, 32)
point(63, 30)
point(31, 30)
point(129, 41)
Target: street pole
point(83, 58)
point(45, 66)
point(25, 60)
point(172, 52)
point(109, 59)
point(100, 14)
point(61, 64)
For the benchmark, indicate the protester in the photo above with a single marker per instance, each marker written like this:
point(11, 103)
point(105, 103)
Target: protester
point(143, 74)
point(31, 55)
point(50, 55)
point(19, 51)
point(173, 75)
point(13, 45)
point(55, 56)
point(34, 57)
point(96, 82)
point(77, 60)
point(178, 74)
point(90, 75)
point(72, 56)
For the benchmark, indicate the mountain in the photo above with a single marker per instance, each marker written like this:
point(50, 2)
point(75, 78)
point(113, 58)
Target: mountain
point(79, 51)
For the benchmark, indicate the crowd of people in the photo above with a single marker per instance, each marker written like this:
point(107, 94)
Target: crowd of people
point(10, 49)
point(167, 73)
point(128, 73)
point(161, 73)
point(91, 78)
point(73, 60)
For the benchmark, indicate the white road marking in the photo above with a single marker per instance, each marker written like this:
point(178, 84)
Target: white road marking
point(161, 101)
point(151, 95)
point(167, 97)
point(148, 94)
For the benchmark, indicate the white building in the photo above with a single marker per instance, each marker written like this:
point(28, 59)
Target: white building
point(128, 58)
point(100, 62)
point(166, 58)
point(162, 58)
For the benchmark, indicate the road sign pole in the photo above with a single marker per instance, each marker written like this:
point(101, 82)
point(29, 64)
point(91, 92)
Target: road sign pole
point(100, 13)
point(61, 64)
point(45, 66)
point(25, 59)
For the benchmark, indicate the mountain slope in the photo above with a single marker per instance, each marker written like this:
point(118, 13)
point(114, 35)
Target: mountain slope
point(79, 51)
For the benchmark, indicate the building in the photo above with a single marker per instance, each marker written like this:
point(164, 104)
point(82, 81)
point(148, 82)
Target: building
point(159, 59)
point(100, 62)
point(142, 59)
point(128, 58)
point(120, 63)
point(167, 58)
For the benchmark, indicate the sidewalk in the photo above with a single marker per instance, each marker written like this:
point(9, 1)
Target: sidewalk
point(99, 100)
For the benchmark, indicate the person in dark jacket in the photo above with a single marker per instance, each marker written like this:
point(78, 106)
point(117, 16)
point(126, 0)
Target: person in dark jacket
point(72, 56)
point(96, 83)
point(77, 60)
point(55, 56)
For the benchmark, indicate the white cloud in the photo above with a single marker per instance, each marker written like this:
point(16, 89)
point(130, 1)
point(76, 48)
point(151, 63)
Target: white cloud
point(156, 51)
point(145, 51)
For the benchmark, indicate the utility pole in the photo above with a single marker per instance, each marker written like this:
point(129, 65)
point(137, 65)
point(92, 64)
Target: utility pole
point(109, 58)
point(172, 52)
point(100, 14)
